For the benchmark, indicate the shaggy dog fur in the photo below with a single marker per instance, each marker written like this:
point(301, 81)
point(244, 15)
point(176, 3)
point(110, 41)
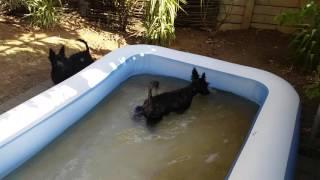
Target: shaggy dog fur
point(155, 107)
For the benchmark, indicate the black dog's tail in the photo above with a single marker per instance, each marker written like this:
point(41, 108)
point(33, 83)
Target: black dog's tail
point(83, 41)
point(154, 84)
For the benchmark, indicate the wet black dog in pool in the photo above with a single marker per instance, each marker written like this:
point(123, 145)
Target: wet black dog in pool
point(179, 100)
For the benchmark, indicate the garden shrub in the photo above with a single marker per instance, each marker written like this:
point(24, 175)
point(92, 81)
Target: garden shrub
point(313, 90)
point(159, 20)
point(306, 42)
point(43, 13)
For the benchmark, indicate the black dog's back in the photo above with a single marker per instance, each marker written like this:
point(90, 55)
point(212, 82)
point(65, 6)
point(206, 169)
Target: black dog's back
point(175, 101)
point(81, 59)
point(179, 100)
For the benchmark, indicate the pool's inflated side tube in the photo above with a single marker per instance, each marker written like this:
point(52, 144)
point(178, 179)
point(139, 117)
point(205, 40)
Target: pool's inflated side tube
point(268, 152)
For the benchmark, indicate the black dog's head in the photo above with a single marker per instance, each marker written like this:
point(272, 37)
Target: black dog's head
point(59, 61)
point(56, 59)
point(61, 68)
point(200, 85)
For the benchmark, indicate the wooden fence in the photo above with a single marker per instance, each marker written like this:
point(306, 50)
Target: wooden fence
point(236, 14)
point(199, 15)
point(243, 14)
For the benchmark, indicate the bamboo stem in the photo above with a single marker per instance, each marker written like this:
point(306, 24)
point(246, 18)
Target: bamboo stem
point(315, 126)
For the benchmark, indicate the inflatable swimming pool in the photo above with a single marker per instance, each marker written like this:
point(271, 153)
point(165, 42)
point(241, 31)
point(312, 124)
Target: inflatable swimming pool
point(268, 152)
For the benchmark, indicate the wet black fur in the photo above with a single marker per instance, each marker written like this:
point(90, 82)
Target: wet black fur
point(155, 107)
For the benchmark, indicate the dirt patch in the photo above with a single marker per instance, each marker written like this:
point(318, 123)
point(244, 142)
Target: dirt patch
point(256, 48)
point(24, 50)
point(263, 49)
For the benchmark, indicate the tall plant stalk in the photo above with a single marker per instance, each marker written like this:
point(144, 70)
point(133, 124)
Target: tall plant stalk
point(43, 13)
point(124, 9)
point(159, 20)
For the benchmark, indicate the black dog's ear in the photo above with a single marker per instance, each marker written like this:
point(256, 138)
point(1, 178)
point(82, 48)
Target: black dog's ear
point(52, 55)
point(203, 77)
point(195, 74)
point(61, 52)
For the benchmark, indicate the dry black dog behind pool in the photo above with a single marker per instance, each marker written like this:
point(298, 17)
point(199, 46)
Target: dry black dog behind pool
point(155, 107)
point(60, 66)
point(63, 67)
point(82, 59)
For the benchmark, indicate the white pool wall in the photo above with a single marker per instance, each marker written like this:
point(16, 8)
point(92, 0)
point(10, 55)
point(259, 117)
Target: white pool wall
point(268, 152)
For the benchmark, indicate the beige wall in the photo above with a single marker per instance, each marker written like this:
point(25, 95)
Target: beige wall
point(260, 14)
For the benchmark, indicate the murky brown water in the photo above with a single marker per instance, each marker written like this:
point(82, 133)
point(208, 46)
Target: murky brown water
point(108, 144)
